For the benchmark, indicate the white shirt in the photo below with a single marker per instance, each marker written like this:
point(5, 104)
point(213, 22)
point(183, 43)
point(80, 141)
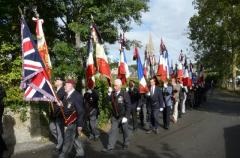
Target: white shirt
point(116, 93)
point(152, 89)
point(69, 93)
point(58, 88)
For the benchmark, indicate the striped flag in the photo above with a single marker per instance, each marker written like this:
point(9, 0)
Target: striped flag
point(102, 61)
point(162, 71)
point(35, 81)
point(143, 88)
point(163, 65)
point(123, 71)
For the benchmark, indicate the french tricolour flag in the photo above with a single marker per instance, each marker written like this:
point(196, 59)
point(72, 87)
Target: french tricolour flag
point(123, 71)
point(143, 88)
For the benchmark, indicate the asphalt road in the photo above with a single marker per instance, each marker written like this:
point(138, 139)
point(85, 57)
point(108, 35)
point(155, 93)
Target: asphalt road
point(212, 131)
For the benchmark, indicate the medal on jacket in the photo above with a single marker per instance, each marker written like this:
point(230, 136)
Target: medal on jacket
point(120, 99)
point(69, 105)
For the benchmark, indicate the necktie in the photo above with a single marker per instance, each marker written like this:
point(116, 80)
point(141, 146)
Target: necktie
point(152, 90)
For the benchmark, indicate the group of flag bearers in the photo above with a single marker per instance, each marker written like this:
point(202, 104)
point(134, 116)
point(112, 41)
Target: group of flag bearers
point(71, 110)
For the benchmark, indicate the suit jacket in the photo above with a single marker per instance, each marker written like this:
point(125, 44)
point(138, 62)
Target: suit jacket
point(56, 111)
point(134, 97)
point(167, 94)
point(61, 93)
point(74, 103)
point(120, 104)
point(156, 99)
point(91, 102)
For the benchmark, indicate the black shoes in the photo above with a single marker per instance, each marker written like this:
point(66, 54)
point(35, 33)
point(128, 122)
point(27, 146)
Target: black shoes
point(156, 131)
point(166, 127)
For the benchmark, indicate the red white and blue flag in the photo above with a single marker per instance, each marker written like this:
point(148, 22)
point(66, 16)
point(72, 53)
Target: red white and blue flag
point(35, 81)
point(143, 88)
point(123, 71)
point(163, 66)
point(186, 77)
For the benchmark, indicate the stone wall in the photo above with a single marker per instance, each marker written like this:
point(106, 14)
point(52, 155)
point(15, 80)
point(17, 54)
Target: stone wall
point(15, 130)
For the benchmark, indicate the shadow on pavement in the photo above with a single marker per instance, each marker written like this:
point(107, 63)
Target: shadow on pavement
point(93, 150)
point(223, 103)
point(165, 151)
point(232, 141)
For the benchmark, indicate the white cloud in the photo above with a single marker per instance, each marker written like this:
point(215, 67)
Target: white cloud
point(167, 19)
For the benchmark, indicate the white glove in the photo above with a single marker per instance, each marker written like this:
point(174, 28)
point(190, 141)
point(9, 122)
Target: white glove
point(59, 103)
point(127, 89)
point(165, 85)
point(109, 90)
point(138, 108)
point(124, 120)
point(148, 94)
point(161, 109)
point(89, 91)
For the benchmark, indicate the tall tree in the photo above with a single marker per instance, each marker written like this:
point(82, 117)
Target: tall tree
point(66, 28)
point(215, 36)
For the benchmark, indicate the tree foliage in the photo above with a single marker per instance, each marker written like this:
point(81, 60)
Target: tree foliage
point(215, 35)
point(66, 25)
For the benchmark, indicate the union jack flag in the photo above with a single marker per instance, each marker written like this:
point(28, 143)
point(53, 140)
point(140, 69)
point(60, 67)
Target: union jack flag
point(35, 81)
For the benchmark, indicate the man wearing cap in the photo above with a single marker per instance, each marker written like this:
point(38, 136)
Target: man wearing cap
point(74, 114)
point(120, 110)
point(56, 124)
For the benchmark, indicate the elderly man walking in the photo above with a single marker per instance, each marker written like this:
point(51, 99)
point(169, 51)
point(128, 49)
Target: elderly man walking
point(120, 110)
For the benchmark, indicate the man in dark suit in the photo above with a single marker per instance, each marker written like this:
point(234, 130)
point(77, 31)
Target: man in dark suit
point(92, 112)
point(156, 105)
point(134, 98)
point(120, 110)
point(56, 124)
point(74, 114)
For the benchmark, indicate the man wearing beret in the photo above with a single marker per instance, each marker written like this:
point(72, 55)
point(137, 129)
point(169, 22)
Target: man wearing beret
point(74, 114)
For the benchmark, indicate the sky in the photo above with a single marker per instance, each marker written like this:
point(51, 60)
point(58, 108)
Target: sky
point(166, 19)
